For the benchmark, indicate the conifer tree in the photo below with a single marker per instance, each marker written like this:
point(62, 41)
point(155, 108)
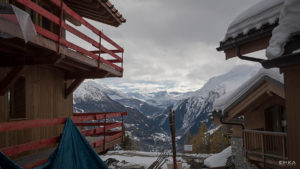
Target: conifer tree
point(127, 143)
point(218, 142)
point(201, 140)
point(188, 138)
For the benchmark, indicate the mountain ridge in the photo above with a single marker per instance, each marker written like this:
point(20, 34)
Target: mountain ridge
point(149, 122)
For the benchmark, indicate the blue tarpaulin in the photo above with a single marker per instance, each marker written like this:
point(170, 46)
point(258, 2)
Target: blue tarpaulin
point(6, 163)
point(73, 152)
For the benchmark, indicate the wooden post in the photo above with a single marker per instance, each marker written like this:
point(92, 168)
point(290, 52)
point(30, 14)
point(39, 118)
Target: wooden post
point(292, 97)
point(123, 128)
point(60, 25)
point(245, 143)
point(104, 142)
point(73, 87)
point(100, 34)
point(172, 128)
point(122, 63)
point(10, 78)
point(262, 146)
point(283, 148)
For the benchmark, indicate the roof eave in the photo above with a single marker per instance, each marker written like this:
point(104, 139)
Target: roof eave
point(255, 40)
point(262, 80)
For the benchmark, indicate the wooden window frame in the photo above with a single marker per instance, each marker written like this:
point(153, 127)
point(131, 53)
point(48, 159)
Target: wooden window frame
point(17, 101)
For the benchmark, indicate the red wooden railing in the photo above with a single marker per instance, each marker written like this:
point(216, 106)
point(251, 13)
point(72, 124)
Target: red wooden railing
point(58, 38)
point(110, 132)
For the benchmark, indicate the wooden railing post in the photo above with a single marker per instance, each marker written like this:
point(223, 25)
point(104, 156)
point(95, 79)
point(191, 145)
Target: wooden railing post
point(245, 143)
point(265, 144)
point(262, 146)
point(122, 127)
point(283, 148)
point(104, 132)
point(60, 25)
point(122, 62)
point(100, 33)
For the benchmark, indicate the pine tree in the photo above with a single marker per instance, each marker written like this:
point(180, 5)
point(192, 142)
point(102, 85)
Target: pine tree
point(201, 140)
point(188, 139)
point(127, 143)
point(218, 142)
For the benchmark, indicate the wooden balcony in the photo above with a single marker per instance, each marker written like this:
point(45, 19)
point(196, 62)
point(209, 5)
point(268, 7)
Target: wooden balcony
point(88, 53)
point(104, 132)
point(265, 146)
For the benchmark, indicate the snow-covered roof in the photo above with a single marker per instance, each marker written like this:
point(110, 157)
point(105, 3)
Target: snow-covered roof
point(289, 23)
point(264, 12)
point(269, 12)
point(230, 99)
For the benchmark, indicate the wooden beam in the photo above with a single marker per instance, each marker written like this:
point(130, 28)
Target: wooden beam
point(10, 78)
point(59, 59)
point(17, 149)
point(87, 75)
point(249, 47)
point(28, 124)
point(73, 86)
point(76, 65)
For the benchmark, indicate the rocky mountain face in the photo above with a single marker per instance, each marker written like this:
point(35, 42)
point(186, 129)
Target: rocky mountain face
point(193, 110)
point(92, 97)
point(147, 120)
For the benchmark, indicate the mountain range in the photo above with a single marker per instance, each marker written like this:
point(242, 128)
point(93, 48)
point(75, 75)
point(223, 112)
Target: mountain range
point(147, 120)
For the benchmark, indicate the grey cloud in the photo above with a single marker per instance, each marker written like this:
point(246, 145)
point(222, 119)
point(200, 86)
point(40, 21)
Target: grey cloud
point(174, 40)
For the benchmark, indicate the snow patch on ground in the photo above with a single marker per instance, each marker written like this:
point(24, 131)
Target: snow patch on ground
point(212, 131)
point(145, 159)
point(219, 159)
point(132, 160)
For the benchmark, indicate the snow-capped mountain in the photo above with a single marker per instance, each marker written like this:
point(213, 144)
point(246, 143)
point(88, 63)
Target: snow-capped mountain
point(97, 91)
point(91, 97)
point(160, 99)
point(147, 121)
point(190, 112)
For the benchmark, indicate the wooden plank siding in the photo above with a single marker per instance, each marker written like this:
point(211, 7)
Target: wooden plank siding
point(256, 98)
point(44, 99)
point(292, 92)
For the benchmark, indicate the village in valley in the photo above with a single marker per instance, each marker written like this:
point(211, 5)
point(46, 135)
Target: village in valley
point(127, 84)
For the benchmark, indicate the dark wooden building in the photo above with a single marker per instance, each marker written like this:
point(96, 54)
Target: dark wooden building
point(255, 114)
point(259, 28)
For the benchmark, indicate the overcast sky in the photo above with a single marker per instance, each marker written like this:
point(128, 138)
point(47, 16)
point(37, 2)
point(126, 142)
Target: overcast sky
point(171, 44)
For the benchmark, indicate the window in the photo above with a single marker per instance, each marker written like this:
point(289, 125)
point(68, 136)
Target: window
point(16, 100)
point(275, 118)
point(4, 1)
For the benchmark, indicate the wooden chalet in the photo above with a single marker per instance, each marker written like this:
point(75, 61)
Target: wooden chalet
point(255, 113)
point(256, 30)
point(37, 78)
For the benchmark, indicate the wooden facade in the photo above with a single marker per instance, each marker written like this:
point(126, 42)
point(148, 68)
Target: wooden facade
point(289, 64)
point(292, 90)
point(44, 97)
point(262, 109)
point(37, 79)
